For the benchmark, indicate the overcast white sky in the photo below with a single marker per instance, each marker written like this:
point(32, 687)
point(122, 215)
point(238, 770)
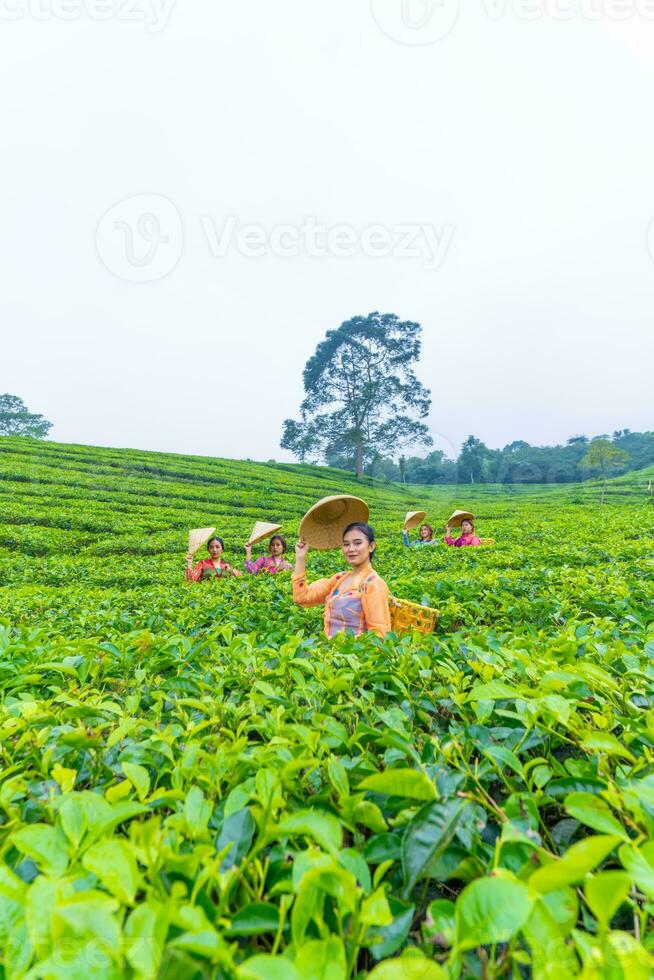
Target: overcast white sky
point(514, 145)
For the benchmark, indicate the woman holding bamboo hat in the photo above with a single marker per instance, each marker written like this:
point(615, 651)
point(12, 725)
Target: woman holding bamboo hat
point(274, 561)
point(467, 539)
point(425, 532)
point(425, 536)
point(211, 567)
point(271, 563)
point(356, 600)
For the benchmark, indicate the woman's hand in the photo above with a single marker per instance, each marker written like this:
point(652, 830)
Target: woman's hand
point(236, 573)
point(301, 550)
point(248, 551)
point(189, 559)
point(448, 531)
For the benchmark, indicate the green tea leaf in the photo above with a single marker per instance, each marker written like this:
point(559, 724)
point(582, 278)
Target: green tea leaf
point(46, 845)
point(338, 777)
point(594, 812)
point(605, 893)
point(321, 960)
point(321, 827)
point(72, 818)
point(413, 965)
point(145, 935)
point(401, 782)
point(493, 691)
point(375, 910)
point(138, 777)
point(114, 863)
point(425, 837)
point(504, 758)
point(639, 866)
point(573, 866)
point(267, 967)
point(254, 919)
point(440, 923)
point(238, 830)
point(383, 941)
point(627, 958)
point(490, 911)
point(607, 744)
point(197, 812)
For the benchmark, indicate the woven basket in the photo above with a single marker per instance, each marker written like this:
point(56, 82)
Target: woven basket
point(487, 540)
point(406, 616)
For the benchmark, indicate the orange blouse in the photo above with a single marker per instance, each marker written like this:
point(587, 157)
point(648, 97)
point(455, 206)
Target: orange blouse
point(208, 568)
point(361, 607)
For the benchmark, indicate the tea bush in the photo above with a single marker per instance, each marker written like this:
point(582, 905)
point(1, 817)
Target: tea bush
point(196, 784)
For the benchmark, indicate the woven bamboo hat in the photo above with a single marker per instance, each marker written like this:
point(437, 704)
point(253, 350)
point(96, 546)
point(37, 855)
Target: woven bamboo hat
point(198, 536)
point(459, 516)
point(262, 530)
point(323, 525)
point(413, 518)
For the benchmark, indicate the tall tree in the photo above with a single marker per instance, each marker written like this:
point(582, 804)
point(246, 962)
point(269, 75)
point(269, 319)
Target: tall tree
point(603, 457)
point(472, 459)
point(16, 420)
point(362, 397)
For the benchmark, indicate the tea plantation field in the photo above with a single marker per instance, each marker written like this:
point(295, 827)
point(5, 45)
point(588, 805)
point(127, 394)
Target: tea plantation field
point(194, 783)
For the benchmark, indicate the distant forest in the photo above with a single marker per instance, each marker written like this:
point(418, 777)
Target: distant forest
point(519, 462)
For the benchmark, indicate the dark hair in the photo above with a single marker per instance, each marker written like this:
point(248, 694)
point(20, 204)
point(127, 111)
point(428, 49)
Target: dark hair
point(429, 528)
point(219, 540)
point(281, 539)
point(366, 529)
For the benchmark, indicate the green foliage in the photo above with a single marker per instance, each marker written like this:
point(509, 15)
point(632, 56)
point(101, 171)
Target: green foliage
point(520, 463)
point(16, 420)
point(603, 457)
point(362, 397)
point(196, 784)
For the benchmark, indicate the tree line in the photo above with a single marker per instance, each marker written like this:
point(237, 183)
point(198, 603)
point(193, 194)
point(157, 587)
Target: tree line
point(578, 459)
point(364, 407)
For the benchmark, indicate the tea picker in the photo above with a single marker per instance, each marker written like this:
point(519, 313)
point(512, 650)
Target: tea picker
point(358, 600)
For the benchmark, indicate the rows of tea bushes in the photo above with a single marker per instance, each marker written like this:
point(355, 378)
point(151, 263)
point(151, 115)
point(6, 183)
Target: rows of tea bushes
point(194, 783)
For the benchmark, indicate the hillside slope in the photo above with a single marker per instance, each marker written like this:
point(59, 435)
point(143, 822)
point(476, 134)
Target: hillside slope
point(114, 495)
point(173, 752)
point(57, 498)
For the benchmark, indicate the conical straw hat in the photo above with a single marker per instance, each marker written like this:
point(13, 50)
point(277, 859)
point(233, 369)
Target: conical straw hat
point(197, 537)
point(413, 518)
point(323, 525)
point(459, 516)
point(262, 530)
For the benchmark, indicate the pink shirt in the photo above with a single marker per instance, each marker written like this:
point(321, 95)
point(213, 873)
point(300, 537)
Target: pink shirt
point(470, 540)
point(267, 565)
